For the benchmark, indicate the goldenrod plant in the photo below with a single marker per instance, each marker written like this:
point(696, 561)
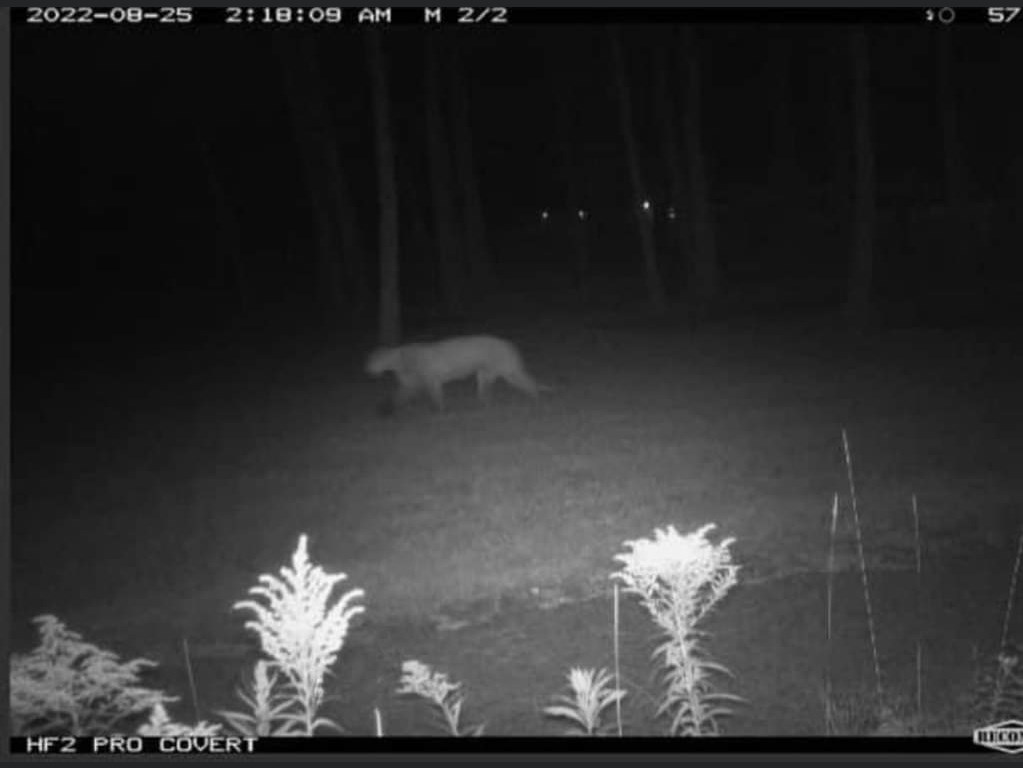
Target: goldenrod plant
point(66, 686)
point(679, 579)
point(302, 633)
point(418, 679)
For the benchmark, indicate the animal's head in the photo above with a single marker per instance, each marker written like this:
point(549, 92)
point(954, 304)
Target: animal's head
point(380, 361)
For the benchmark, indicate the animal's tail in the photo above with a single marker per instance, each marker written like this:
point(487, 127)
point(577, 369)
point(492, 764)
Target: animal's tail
point(526, 383)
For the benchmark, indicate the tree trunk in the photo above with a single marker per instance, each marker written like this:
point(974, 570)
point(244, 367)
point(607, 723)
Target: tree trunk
point(576, 215)
point(858, 301)
point(783, 136)
point(389, 318)
point(648, 247)
point(955, 182)
point(353, 257)
point(477, 250)
point(228, 230)
point(311, 139)
point(442, 186)
point(423, 271)
point(838, 128)
point(955, 193)
point(704, 280)
point(680, 247)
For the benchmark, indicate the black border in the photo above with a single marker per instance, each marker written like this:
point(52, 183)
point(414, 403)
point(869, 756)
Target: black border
point(623, 13)
point(339, 745)
point(5, 376)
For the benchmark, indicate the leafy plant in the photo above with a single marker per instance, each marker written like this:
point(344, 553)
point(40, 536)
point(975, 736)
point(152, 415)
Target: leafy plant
point(267, 703)
point(302, 633)
point(591, 695)
point(160, 724)
point(998, 689)
point(68, 686)
point(679, 580)
point(419, 679)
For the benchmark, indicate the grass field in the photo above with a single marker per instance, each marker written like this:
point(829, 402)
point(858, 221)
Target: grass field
point(149, 495)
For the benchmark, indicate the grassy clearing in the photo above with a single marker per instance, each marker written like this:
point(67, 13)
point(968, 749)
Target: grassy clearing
point(197, 492)
point(69, 686)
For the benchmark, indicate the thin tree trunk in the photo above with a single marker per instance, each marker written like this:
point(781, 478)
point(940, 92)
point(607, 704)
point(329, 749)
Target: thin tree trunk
point(858, 301)
point(952, 155)
point(311, 140)
point(228, 230)
point(955, 183)
point(477, 251)
point(680, 247)
point(581, 225)
point(654, 284)
point(576, 216)
point(704, 282)
point(353, 258)
point(442, 186)
point(837, 113)
point(783, 136)
point(424, 271)
point(389, 318)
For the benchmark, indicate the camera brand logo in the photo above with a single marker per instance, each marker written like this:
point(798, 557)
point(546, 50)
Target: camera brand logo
point(1006, 737)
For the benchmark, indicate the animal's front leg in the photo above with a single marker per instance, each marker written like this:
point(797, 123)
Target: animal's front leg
point(484, 381)
point(397, 400)
point(436, 392)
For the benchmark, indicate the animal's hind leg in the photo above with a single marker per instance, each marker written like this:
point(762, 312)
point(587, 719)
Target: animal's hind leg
point(436, 392)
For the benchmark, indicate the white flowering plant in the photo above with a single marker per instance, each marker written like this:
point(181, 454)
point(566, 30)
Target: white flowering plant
point(68, 686)
point(419, 679)
point(302, 633)
point(679, 580)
